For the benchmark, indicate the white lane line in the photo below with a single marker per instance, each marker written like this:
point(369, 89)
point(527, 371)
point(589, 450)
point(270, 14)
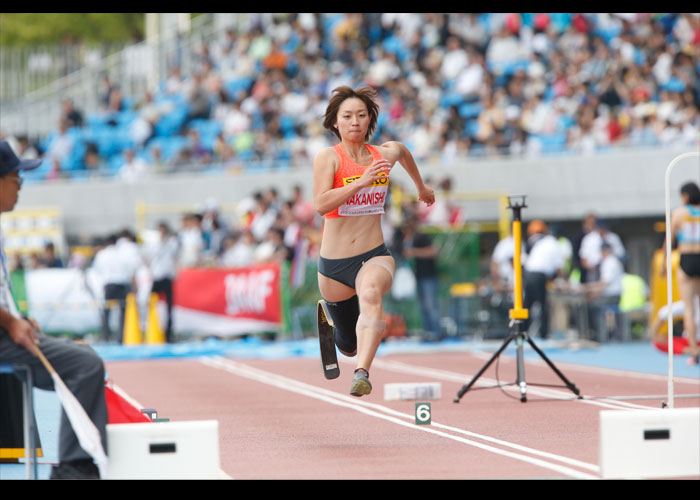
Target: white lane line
point(615, 372)
point(391, 415)
point(405, 368)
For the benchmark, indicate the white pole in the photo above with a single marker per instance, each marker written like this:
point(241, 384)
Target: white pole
point(669, 276)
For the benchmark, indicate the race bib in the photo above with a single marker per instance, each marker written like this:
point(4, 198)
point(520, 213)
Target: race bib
point(368, 200)
point(691, 230)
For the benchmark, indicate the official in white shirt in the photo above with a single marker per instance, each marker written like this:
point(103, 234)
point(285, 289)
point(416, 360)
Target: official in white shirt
point(544, 260)
point(502, 263)
point(162, 259)
point(116, 265)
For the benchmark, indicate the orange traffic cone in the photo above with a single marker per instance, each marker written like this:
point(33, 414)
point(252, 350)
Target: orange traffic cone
point(154, 332)
point(132, 327)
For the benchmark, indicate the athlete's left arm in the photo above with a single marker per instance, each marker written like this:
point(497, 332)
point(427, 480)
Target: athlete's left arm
point(396, 151)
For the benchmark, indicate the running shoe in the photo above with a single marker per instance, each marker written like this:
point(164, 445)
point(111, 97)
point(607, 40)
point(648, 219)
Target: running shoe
point(360, 383)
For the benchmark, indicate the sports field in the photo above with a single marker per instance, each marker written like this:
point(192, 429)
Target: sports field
point(280, 419)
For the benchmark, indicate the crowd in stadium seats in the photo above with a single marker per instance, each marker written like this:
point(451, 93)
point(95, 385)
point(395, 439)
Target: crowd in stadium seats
point(450, 85)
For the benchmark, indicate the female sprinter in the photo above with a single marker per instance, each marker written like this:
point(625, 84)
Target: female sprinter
point(685, 227)
point(351, 182)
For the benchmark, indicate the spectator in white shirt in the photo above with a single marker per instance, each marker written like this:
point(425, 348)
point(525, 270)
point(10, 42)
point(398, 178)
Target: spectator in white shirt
point(265, 217)
point(133, 167)
point(544, 260)
point(61, 146)
point(238, 250)
point(191, 241)
point(454, 60)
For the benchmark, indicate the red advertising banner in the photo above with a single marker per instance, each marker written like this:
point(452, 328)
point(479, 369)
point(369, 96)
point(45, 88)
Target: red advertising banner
point(227, 301)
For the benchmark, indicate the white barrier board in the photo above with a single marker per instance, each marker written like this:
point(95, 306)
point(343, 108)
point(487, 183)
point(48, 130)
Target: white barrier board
point(649, 443)
point(164, 450)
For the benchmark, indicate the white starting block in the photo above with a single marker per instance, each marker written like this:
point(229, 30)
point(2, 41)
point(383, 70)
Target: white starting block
point(166, 450)
point(649, 443)
point(424, 391)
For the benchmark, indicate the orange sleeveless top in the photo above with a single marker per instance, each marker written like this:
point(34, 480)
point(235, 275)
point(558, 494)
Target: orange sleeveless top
point(368, 200)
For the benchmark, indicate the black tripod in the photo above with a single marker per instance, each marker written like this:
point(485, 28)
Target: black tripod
point(517, 315)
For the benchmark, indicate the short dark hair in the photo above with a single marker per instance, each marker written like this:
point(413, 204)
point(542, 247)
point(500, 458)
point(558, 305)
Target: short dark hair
point(164, 226)
point(692, 190)
point(366, 94)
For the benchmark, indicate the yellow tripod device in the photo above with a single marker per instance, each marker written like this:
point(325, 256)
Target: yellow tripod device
point(517, 316)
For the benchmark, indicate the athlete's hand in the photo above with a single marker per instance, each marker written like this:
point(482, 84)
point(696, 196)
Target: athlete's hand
point(426, 195)
point(375, 171)
point(23, 332)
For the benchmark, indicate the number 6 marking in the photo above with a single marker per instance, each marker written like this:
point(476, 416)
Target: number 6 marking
point(422, 413)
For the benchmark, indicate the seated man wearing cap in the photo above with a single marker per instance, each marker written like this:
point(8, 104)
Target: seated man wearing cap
point(606, 291)
point(81, 369)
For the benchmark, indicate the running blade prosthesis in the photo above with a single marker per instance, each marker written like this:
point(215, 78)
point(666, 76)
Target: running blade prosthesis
point(329, 357)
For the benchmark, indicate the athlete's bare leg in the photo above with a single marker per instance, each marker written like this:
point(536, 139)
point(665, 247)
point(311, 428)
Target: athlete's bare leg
point(372, 283)
point(689, 288)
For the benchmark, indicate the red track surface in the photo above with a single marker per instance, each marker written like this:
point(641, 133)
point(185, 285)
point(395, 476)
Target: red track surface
point(282, 420)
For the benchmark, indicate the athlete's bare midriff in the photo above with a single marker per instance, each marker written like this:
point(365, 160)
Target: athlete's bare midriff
point(684, 247)
point(349, 236)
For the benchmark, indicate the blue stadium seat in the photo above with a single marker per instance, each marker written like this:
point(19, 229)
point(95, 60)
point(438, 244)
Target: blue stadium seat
point(449, 99)
point(172, 122)
point(470, 109)
point(560, 20)
point(287, 124)
point(527, 19)
point(208, 131)
point(394, 45)
point(114, 163)
point(95, 120)
point(169, 146)
point(292, 67)
point(124, 118)
point(565, 122)
point(128, 103)
point(507, 68)
point(257, 122)
point(674, 84)
point(247, 155)
point(232, 87)
point(38, 174)
point(45, 142)
point(607, 34)
point(471, 127)
point(552, 143)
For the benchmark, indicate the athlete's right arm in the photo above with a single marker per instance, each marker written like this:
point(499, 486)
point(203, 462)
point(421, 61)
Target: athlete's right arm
point(326, 198)
point(20, 330)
